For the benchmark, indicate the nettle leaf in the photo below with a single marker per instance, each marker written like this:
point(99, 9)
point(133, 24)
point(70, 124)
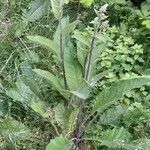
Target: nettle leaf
point(37, 9)
point(54, 81)
point(45, 42)
point(115, 138)
point(143, 144)
point(112, 115)
point(60, 143)
point(117, 90)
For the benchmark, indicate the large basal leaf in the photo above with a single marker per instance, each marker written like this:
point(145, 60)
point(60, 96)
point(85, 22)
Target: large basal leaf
point(46, 43)
point(21, 92)
point(59, 143)
point(54, 81)
point(117, 90)
point(37, 9)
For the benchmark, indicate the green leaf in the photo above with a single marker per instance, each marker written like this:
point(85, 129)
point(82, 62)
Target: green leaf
point(83, 91)
point(97, 77)
point(72, 122)
point(94, 58)
point(37, 9)
point(39, 108)
point(117, 1)
point(81, 52)
point(54, 81)
point(57, 6)
point(143, 144)
point(87, 3)
point(146, 23)
point(21, 92)
point(46, 43)
point(13, 133)
point(64, 23)
point(117, 90)
point(115, 138)
point(59, 143)
point(60, 115)
point(70, 27)
point(73, 69)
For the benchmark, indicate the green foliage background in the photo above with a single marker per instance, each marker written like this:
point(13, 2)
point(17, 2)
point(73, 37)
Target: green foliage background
point(32, 112)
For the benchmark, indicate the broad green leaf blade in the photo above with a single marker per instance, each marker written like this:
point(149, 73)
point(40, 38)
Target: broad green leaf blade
point(54, 81)
point(39, 108)
point(70, 27)
point(67, 28)
point(59, 143)
point(82, 37)
point(37, 9)
point(83, 91)
point(97, 77)
point(97, 50)
point(73, 70)
point(45, 42)
point(117, 90)
point(21, 92)
point(82, 52)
